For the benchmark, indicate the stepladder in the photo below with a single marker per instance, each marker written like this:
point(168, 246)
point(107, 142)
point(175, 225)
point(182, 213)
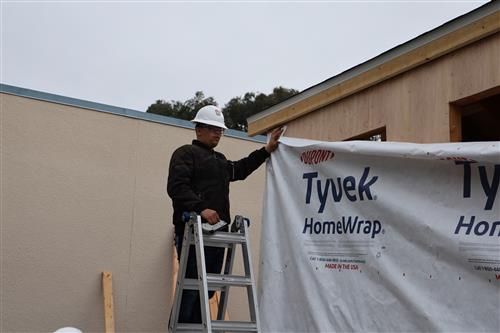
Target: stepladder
point(204, 283)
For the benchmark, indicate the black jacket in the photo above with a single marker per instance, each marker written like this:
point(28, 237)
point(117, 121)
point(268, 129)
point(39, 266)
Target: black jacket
point(199, 178)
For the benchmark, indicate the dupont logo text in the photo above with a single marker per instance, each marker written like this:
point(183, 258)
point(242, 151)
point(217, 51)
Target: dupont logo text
point(316, 156)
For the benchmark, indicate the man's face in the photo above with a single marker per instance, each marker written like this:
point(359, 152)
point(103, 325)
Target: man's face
point(209, 135)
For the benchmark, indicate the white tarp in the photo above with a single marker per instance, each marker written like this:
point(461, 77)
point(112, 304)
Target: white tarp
point(376, 236)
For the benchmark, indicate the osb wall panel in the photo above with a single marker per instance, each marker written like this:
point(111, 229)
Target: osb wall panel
point(413, 106)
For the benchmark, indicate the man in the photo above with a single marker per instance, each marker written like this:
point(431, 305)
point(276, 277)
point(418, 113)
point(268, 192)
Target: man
point(198, 181)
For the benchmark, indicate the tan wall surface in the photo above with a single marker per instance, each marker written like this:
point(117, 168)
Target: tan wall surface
point(84, 192)
point(414, 106)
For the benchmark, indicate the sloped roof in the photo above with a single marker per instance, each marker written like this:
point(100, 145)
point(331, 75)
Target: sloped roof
point(459, 32)
point(80, 103)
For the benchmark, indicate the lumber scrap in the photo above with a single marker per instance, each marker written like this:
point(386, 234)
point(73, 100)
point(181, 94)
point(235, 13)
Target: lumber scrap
point(107, 288)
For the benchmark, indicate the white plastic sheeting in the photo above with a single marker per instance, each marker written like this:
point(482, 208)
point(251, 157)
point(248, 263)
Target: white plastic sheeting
point(378, 236)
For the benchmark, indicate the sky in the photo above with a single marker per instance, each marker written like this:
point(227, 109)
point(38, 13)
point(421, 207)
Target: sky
point(132, 53)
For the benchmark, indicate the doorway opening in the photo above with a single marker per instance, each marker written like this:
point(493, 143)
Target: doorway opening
point(476, 118)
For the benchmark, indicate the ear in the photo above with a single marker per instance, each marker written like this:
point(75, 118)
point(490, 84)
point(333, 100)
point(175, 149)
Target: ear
point(197, 131)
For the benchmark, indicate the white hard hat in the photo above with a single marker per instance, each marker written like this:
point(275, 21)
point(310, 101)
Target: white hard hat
point(210, 115)
point(68, 330)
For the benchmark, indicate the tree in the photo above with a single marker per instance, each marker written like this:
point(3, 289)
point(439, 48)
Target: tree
point(236, 111)
point(182, 110)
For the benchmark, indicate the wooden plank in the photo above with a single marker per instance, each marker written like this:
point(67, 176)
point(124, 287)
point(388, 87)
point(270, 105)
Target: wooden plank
point(107, 287)
point(437, 48)
point(214, 306)
point(214, 303)
point(175, 271)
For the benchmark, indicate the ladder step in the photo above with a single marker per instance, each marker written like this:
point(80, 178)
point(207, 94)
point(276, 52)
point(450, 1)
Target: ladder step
point(220, 325)
point(189, 328)
point(217, 281)
point(223, 239)
point(234, 326)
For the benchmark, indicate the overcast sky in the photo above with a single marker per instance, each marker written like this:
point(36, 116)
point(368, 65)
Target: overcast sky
point(132, 53)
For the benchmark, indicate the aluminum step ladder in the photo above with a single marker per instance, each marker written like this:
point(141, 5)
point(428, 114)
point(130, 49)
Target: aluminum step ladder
point(193, 235)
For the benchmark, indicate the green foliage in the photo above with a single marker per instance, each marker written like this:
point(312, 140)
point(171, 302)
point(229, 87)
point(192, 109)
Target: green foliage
point(182, 110)
point(236, 111)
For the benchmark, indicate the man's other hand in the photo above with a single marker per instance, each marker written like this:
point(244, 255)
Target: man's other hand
point(210, 216)
point(273, 141)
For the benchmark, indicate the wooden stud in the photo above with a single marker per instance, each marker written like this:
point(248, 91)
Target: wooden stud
point(107, 287)
point(455, 123)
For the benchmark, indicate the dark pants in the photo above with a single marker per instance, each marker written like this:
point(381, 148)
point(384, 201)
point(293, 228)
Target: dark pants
point(190, 311)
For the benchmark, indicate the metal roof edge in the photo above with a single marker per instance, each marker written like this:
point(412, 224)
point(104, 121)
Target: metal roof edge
point(423, 39)
point(94, 106)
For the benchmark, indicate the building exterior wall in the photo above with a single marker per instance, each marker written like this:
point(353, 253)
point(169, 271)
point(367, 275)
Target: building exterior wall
point(413, 106)
point(83, 192)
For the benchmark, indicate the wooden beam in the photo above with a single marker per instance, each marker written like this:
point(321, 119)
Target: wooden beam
point(455, 123)
point(405, 62)
point(107, 287)
point(477, 97)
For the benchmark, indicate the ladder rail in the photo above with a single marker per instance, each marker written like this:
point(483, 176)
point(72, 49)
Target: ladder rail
point(251, 290)
point(202, 276)
point(174, 314)
point(228, 269)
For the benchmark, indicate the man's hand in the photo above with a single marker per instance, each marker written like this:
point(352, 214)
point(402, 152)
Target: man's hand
point(273, 141)
point(210, 215)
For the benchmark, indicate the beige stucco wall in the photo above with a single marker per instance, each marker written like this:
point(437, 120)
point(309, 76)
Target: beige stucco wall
point(83, 192)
